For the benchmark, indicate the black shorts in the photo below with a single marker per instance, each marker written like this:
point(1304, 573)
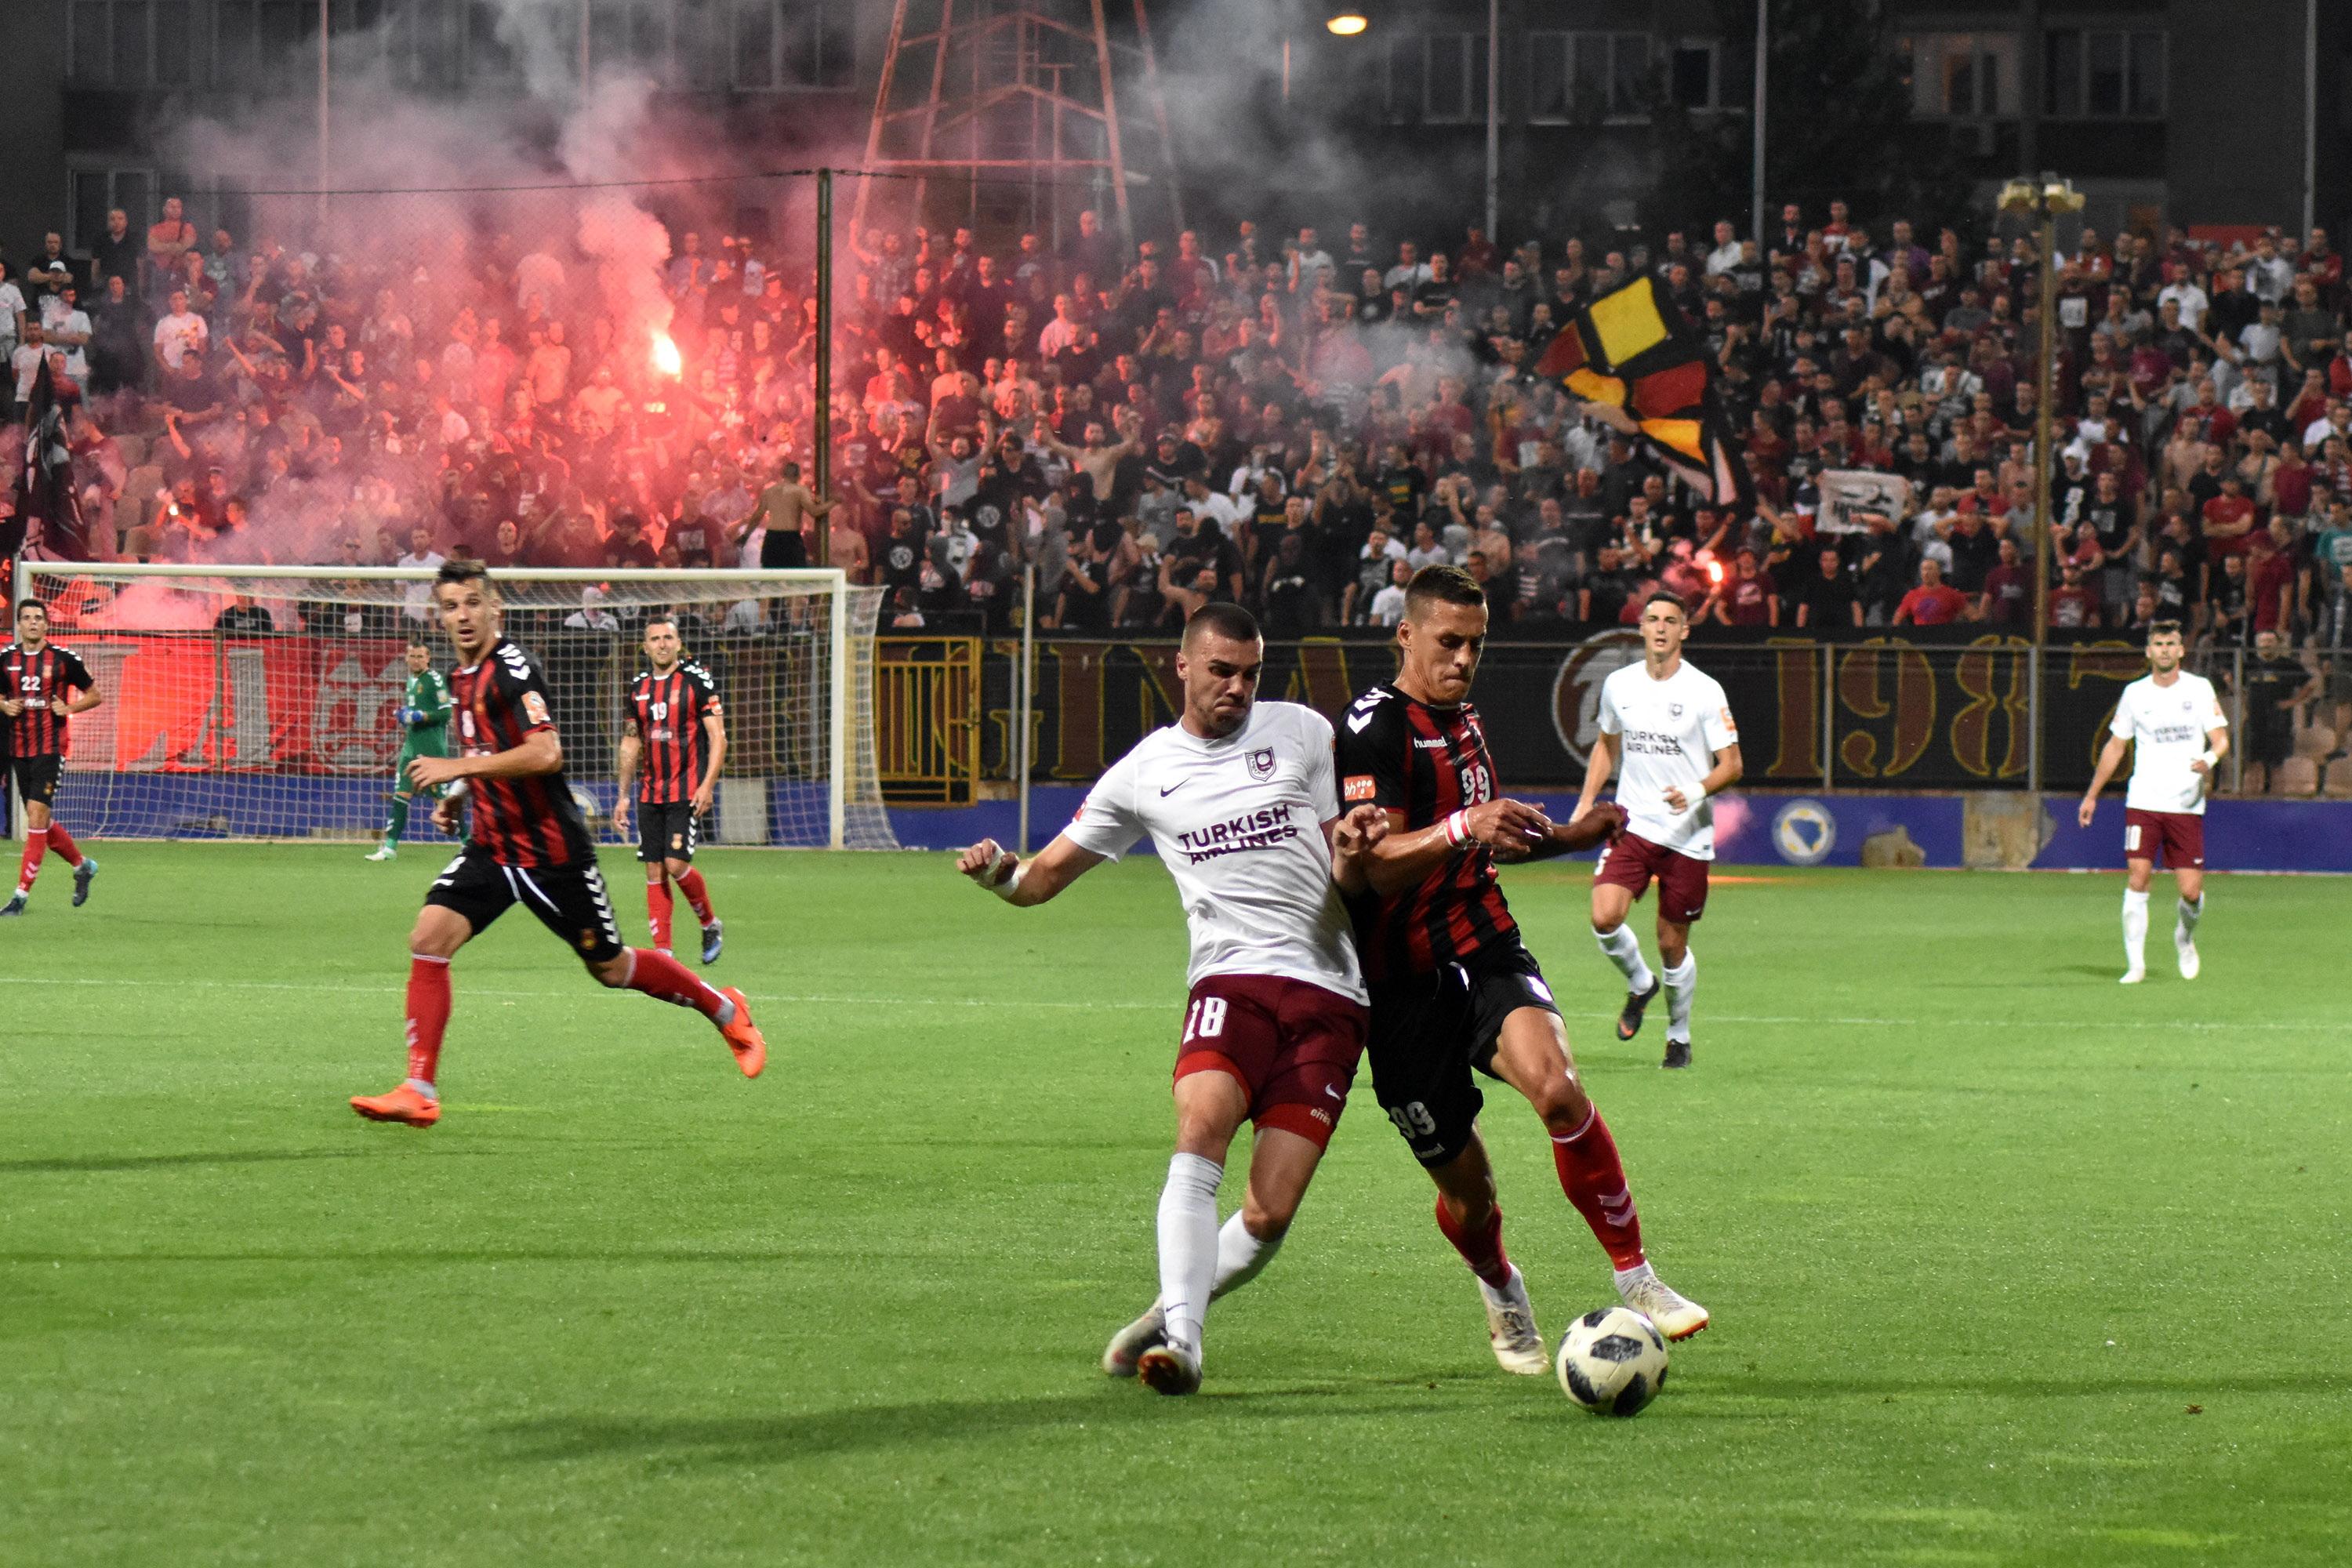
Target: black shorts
point(569, 900)
point(1429, 1031)
point(666, 830)
point(36, 777)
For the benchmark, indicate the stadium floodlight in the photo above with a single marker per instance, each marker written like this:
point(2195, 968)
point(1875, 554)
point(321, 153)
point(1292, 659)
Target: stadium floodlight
point(1348, 24)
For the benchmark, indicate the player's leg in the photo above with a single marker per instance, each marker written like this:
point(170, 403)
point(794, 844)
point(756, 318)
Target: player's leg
point(467, 896)
point(36, 795)
point(1681, 900)
point(1210, 1106)
point(2139, 871)
point(572, 903)
point(1531, 1053)
point(652, 829)
point(2189, 881)
point(1621, 877)
point(396, 820)
point(690, 882)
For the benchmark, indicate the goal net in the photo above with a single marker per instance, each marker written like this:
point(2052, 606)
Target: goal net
point(262, 701)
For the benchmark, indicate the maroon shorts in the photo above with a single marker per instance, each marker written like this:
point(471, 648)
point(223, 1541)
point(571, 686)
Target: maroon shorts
point(2179, 833)
point(1292, 1047)
point(1632, 861)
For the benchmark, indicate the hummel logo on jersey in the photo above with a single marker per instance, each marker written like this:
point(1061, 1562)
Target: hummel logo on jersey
point(1436, 745)
point(1171, 789)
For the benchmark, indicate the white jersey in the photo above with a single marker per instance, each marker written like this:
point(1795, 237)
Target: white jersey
point(1670, 732)
point(1239, 823)
point(2167, 726)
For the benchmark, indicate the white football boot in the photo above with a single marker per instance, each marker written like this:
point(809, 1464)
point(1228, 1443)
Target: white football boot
point(1677, 1315)
point(1131, 1341)
point(1169, 1367)
point(2133, 976)
point(1511, 1327)
point(2186, 946)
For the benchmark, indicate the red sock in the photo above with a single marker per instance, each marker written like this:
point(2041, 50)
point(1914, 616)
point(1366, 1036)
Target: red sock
point(428, 1013)
point(1594, 1180)
point(696, 894)
point(657, 908)
point(1482, 1248)
point(62, 842)
point(36, 846)
point(666, 979)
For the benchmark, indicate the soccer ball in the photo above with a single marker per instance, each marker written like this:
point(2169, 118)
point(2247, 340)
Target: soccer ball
point(1612, 1360)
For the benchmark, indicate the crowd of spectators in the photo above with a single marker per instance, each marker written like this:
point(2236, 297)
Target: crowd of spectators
point(1291, 422)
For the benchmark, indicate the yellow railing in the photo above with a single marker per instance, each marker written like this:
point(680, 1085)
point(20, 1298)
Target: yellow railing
point(927, 718)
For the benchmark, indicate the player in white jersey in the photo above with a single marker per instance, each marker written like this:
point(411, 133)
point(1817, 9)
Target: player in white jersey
point(2174, 723)
point(1240, 800)
point(1672, 725)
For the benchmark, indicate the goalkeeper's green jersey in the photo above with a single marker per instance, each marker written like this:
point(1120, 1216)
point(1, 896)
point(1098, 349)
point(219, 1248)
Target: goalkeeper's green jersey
point(429, 694)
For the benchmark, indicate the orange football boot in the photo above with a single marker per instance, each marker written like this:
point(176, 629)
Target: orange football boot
point(743, 1037)
point(403, 1104)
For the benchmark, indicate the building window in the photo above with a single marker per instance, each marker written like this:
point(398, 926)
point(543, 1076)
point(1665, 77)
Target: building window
point(1963, 75)
point(2095, 73)
point(779, 45)
point(1693, 74)
point(1601, 75)
point(97, 191)
point(128, 43)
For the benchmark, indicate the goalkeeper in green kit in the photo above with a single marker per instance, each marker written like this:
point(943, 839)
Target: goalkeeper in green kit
point(424, 723)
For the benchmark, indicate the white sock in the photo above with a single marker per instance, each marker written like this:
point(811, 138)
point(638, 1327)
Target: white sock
point(1624, 951)
point(2185, 926)
point(1241, 1257)
point(423, 1086)
point(1188, 1244)
point(1681, 984)
point(2134, 929)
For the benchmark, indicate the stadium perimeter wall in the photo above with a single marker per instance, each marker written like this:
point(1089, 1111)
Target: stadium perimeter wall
point(1985, 829)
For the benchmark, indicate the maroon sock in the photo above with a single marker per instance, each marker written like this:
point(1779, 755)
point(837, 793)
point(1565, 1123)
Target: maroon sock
point(1481, 1248)
point(1594, 1180)
point(667, 980)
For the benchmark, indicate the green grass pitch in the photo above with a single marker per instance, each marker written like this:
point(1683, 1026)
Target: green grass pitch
point(2007, 1264)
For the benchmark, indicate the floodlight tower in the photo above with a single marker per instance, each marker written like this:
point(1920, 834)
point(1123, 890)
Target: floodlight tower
point(1008, 95)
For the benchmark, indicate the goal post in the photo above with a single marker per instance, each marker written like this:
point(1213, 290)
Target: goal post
point(261, 703)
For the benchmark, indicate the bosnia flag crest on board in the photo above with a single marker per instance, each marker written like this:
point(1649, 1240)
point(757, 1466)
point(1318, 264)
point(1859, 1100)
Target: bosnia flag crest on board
point(1632, 350)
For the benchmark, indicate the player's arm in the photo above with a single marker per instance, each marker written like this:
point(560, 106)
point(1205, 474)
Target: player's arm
point(2111, 757)
point(624, 777)
point(539, 753)
point(1350, 839)
point(2209, 766)
point(706, 789)
point(1720, 777)
point(1026, 882)
point(1598, 767)
point(75, 677)
point(1399, 860)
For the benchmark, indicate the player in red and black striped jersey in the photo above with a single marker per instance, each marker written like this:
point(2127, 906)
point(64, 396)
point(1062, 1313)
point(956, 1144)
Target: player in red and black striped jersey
point(1454, 988)
point(41, 687)
point(528, 846)
point(670, 756)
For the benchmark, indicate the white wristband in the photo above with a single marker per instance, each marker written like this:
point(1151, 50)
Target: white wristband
point(1697, 798)
point(1457, 826)
point(1000, 881)
point(2207, 757)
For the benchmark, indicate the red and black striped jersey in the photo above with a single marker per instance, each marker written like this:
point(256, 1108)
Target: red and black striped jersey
point(1425, 762)
point(38, 679)
point(521, 822)
point(668, 710)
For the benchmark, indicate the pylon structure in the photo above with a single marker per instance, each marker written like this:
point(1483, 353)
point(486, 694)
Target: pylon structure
point(1022, 101)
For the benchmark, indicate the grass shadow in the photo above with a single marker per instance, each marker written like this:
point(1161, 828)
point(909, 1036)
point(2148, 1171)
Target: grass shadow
point(782, 1438)
point(80, 1165)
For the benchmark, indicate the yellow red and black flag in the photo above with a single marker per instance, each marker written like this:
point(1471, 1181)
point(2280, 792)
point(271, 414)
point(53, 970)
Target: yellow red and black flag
point(1632, 351)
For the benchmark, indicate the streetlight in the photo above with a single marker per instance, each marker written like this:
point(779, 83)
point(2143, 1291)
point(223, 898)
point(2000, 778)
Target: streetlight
point(2044, 197)
point(1348, 24)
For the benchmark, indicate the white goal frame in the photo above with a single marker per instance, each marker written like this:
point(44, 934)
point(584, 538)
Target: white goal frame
point(834, 581)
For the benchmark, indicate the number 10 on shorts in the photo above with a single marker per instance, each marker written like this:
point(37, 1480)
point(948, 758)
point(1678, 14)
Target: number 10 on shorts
point(1204, 1020)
